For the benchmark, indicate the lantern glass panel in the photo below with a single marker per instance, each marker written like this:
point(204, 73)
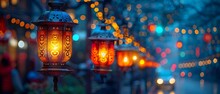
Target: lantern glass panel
point(102, 52)
point(54, 44)
point(125, 58)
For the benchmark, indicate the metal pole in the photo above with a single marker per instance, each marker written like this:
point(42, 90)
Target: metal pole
point(88, 33)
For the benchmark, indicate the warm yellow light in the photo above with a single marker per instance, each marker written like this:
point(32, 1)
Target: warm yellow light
point(112, 18)
point(3, 4)
point(172, 81)
point(134, 57)
point(93, 26)
point(196, 32)
point(108, 27)
point(115, 26)
point(96, 9)
point(14, 2)
point(22, 24)
point(202, 74)
point(159, 81)
point(92, 5)
point(75, 21)
point(102, 53)
point(141, 62)
point(32, 26)
point(183, 31)
point(13, 20)
point(96, 3)
point(125, 59)
point(177, 30)
point(27, 26)
point(209, 61)
point(17, 21)
point(99, 14)
point(215, 60)
point(82, 17)
point(105, 9)
point(214, 29)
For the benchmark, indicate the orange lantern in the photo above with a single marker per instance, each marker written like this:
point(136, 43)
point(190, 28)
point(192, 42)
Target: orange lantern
point(127, 54)
point(54, 40)
point(102, 50)
point(144, 63)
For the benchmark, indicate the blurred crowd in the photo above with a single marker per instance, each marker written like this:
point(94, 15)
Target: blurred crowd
point(11, 81)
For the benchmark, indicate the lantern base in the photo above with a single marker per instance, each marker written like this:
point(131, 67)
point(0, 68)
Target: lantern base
point(101, 70)
point(55, 70)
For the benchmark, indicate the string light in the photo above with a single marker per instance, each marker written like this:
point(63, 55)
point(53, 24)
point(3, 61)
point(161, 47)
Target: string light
point(82, 17)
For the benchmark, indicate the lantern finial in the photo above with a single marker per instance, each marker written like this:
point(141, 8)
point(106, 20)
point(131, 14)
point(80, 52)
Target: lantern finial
point(56, 5)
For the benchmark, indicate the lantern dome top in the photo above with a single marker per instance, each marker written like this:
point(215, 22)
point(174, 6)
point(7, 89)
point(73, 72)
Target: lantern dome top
point(142, 54)
point(126, 47)
point(55, 15)
point(102, 34)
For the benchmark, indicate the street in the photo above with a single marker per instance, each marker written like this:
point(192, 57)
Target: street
point(190, 86)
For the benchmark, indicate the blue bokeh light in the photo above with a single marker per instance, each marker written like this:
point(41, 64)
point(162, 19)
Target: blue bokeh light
point(75, 37)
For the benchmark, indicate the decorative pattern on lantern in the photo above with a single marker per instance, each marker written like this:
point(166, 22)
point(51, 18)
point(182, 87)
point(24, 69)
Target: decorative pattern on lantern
point(127, 54)
point(54, 40)
point(102, 50)
point(54, 44)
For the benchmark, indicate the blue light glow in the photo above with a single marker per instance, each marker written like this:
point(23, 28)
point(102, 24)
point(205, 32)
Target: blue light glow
point(75, 37)
point(159, 30)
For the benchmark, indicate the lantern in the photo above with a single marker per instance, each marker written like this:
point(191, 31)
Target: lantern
point(127, 54)
point(54, 40)
point(102, 50)
point(2, 26)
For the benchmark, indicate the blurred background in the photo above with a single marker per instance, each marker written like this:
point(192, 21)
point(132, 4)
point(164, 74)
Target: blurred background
point(181, 35)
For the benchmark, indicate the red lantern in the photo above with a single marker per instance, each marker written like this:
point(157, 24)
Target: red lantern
point(54, 40)
point(102, 50)
point(207, 37)
point(127, 54)
point(2, 27)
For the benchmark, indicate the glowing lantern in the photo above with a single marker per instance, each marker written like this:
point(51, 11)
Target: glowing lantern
point(207, 37)
point(102, 50)
point(127, 54)
point(54, 40)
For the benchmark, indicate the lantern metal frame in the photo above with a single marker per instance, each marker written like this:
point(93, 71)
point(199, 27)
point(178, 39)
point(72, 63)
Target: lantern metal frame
point(102, 35)
point(55, 19)
point(126, 47)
